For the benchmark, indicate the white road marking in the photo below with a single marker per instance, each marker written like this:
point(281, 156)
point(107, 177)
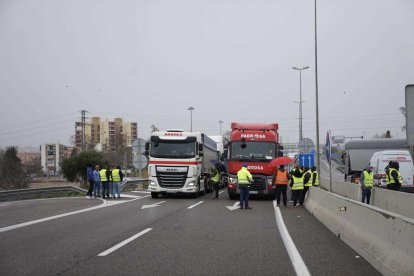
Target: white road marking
point(295, 258)
point(119, 245)
point(152, 205)
point(221, 192)
point(103, 205)
point(141, 192)
point(234, 207)
point(194, 205)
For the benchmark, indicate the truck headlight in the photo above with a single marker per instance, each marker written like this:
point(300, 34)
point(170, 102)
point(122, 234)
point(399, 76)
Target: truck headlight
point(191, 184)
point(152, 183)
point(269, 181)
point(232, 179)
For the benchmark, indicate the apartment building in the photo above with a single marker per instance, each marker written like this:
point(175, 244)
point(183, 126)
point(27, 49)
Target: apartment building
point(109, 135)
point(51, 156)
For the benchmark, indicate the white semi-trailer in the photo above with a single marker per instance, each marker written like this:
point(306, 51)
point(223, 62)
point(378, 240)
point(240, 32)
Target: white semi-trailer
point(180, 162)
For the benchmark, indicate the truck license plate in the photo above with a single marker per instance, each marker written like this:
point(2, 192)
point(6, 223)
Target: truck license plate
point(172, 191)
point(253, 192)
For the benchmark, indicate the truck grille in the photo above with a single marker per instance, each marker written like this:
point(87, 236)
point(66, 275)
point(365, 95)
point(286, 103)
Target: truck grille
point(171, 179)
point(259, 184)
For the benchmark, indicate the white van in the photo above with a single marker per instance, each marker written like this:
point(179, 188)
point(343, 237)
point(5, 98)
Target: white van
point(380, 160)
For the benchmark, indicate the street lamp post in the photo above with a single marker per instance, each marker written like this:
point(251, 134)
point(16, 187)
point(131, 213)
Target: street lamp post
point(220, 122)
point(191, 117)
point(300, 100)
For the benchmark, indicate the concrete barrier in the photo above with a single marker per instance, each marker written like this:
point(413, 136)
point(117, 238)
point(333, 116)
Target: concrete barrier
point(393, 201)
point(384, 239)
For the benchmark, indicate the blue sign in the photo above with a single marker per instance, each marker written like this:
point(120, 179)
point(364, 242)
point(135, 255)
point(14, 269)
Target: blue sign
point(306, 160)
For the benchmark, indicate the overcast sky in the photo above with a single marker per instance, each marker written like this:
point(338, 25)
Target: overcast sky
point(148, 61)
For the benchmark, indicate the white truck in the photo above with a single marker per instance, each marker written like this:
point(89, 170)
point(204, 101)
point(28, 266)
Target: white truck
point(380, 160)
point(180, 162)
point(358, 154)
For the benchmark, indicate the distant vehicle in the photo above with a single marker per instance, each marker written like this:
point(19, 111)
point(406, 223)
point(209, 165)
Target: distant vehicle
point(358, 154)
point(255, 145)
point(380, 160)
point(179, 162)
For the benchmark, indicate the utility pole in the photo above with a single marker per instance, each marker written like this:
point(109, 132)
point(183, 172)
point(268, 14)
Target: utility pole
point(83, 119)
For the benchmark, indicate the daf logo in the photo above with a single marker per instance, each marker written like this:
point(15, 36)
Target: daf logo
point(171, 170)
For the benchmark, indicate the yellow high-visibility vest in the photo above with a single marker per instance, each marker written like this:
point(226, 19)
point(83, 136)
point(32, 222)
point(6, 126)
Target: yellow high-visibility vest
point(297, 183)
point(310, 178)
point(244, 177)
point(116, 177)
point(368, 179)
point(392, 181)
point(316, 178)
point(102, 174)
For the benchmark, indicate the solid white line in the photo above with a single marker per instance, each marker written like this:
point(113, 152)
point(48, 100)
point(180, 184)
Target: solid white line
point(192, 206)
point(142, 192)
point(103, 205)
point(295, 258)
point(119, 245)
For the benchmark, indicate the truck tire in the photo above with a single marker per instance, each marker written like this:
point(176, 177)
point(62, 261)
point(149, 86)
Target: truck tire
point(203, 192)
point(154, 195)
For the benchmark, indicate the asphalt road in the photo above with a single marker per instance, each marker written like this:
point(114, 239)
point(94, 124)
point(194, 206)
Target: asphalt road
point(168, 235)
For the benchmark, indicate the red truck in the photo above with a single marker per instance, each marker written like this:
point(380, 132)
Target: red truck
point(255, 145)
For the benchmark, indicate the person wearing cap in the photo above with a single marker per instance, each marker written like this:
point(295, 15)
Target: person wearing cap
point(367, 182)
point(244, 178)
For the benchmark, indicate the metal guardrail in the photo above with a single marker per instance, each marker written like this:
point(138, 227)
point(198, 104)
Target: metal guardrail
point(37, 192)
point(134, 183)
point(11, 195)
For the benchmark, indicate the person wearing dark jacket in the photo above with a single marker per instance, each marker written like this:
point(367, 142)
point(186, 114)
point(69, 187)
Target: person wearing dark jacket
point(89, 175)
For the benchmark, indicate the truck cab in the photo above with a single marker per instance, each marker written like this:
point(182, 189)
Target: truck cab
point(179, 162)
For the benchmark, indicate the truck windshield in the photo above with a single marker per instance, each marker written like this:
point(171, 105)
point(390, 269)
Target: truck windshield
point(252, 151)
point(173, 149)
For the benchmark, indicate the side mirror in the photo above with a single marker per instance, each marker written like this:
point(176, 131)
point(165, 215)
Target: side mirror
point(147, 144)
point(280, 147)
point(200, 148)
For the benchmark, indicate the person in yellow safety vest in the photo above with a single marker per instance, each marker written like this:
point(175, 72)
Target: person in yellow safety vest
point(297, 187)
point(307, 175)
point(244, 179)
point(104, 174)
point(215, 181)
point(367, 182)
point(395, 177)
point(117, 178)
point(387, 174)
point(315, 176)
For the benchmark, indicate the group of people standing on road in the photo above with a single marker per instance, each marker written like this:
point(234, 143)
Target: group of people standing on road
point(107, 179)
point(393, 180)
point(299, 179)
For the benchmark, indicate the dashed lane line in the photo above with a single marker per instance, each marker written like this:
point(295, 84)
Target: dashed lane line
point(119, 245)
point(297, 261)
point(194, 205)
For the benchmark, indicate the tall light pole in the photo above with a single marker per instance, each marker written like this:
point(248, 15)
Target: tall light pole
point(220, 122)
point(191, 117)
point(318, 158)
point(300, 100)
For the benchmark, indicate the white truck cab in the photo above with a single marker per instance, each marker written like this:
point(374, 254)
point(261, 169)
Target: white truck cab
point(179, 162)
